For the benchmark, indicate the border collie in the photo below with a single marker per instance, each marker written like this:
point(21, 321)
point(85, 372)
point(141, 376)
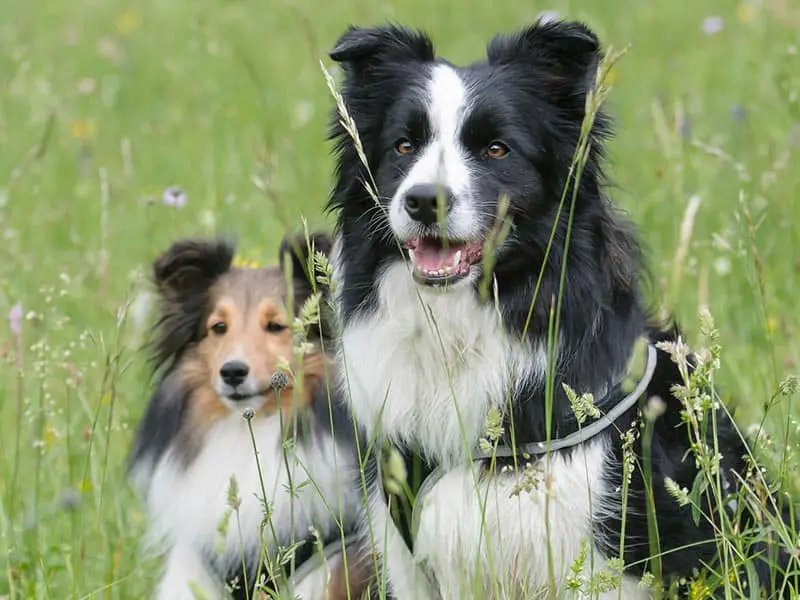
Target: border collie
point(226, 351)
point(435, 364)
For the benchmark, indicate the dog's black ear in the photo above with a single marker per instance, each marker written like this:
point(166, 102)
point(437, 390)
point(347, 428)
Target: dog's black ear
point(190, 267)
point(358, 47)
point(567, 52)
point(183, 276)
point(297, 252)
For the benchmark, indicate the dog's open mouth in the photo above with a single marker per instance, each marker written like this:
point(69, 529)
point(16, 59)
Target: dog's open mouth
point(437, 261)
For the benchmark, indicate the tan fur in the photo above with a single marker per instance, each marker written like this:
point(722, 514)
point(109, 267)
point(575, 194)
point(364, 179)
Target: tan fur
point(247, 300)
point(354, 579)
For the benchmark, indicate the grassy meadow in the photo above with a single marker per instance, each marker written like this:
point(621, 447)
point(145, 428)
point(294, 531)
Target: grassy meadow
point(106, 105)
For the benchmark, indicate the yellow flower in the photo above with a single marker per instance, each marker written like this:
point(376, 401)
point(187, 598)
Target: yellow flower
point(128, 22)
point(772, 324)
point(82, 129)
point(746, 12)
point(699, 591)
point(242, 262)
point(49, 436)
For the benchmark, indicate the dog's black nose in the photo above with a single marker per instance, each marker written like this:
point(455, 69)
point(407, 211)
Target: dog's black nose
point(422, 202)
point(234, 372)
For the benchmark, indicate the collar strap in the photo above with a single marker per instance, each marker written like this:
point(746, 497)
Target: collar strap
point(584, 433)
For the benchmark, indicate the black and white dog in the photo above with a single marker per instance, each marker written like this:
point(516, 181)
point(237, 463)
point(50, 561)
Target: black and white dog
point(429, 356)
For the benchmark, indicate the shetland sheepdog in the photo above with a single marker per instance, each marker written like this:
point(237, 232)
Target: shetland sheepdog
point(482, 294)
point(246, 463)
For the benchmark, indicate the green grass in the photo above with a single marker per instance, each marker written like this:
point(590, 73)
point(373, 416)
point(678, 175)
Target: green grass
point(103, 105)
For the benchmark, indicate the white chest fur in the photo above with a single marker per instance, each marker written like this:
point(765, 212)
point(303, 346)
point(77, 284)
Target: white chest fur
point(428, 365)
point(187, 505)
point(512, 535)
point(425, 368)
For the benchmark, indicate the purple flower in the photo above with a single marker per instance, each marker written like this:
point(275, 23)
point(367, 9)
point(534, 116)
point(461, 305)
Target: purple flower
point(174, 196)
point(713, 24)
point(738, 112)
point(15, 320)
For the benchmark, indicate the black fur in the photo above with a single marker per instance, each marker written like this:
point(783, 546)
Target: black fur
point(531, 91)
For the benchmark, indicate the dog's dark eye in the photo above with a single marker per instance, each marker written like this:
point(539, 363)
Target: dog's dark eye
point(274, 327)
point(220, 327)
point(404, 146)
point(497, 149)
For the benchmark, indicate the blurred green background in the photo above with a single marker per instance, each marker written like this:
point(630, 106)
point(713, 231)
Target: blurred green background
point(104, 106)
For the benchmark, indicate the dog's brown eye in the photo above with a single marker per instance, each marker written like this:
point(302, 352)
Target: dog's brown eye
point(274, 327)
point(497, 149)
point(220, 327)
point(404, 146)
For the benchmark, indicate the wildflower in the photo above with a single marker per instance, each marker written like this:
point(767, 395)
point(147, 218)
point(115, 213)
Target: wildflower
point(128, 22)
point(279, 380)
point(722, 266)
point(174, 196)
point(746, 12)
point(69, 499)
point(738, 112)
point(108, 48)
point(681, 494)
point(713, 24)
point(86, 86)
point(248, 414)
point(772, 324)
point(245, 263)
point(82, 129)
point(15, 320)
point(583, 405)
point(655, 408)
point(789, 386)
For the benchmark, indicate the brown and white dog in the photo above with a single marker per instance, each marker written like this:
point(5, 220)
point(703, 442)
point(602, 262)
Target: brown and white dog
point(232, 380)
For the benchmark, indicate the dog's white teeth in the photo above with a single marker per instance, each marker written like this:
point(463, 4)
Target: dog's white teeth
point(456, 259)
point(448, 270)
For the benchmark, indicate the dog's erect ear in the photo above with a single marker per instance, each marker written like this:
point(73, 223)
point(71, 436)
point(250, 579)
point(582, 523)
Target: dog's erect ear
point(299, 251)
point(567, 51)
point(190, 267)
point(358, 47)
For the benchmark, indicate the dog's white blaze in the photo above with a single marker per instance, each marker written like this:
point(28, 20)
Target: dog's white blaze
point(443, 160)
point(428, 365)
point(186, 505)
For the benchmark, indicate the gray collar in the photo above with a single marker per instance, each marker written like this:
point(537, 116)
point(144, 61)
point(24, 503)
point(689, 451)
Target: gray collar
point(584, 433)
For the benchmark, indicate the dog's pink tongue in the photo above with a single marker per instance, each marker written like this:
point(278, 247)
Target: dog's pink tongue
point(430, 256)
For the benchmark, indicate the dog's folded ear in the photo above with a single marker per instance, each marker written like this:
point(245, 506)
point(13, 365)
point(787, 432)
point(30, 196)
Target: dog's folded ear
point(566, 52)
point(358, 47)
point(191, 266)
point(183, 276)
point(306, 261)
point(298, 253)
